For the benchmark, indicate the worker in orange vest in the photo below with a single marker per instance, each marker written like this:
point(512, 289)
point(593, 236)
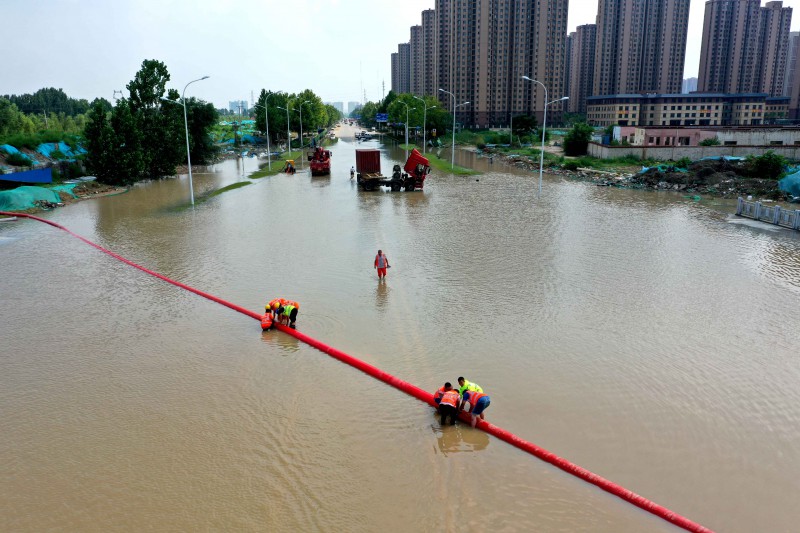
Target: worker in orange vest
point(478, 402)
point(381, 264)
point(448, 404)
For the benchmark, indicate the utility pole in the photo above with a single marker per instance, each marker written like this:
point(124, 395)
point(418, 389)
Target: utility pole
point(383, 86)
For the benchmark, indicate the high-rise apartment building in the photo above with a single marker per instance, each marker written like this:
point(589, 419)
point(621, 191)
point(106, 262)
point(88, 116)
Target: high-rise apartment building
point(745, 47)
point(791, 62)
point(581, 67)
point(396, 72)
point(689, 85)
point(773, 41)
point(404, 67)
point(428, 52)
point(415, 61)
point(641, 46)
point(352, 106)
point(486, 46)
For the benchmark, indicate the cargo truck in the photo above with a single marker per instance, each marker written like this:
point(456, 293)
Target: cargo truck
point(369, 177)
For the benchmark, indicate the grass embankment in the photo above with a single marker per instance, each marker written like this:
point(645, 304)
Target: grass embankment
point(441, 164)
point(277, 165)
point(211, 194)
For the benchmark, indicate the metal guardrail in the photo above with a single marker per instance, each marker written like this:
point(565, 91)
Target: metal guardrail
point(772, 214)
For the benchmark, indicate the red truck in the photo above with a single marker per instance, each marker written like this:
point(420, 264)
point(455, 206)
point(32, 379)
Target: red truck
point(369, 177)
point(320, 162)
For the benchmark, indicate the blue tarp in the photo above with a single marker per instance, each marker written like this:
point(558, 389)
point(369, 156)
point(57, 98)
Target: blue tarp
point(42, 175)
point(720, 157)
point(47, 149)
point(791, 184)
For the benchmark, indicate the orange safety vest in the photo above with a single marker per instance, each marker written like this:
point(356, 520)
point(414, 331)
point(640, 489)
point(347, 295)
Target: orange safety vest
point(472, 397)
point(290, 302)
point(276, 303)
point(266, 321)
point(450, 398)
point(437, 396)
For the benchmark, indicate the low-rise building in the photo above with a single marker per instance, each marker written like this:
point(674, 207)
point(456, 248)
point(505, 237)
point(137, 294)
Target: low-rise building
point(689, 136)
point(695, 109)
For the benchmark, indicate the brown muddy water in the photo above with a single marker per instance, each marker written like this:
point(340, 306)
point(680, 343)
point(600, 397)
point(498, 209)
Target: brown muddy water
point(644, 336)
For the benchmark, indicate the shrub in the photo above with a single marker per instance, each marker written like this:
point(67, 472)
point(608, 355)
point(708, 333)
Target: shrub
point(683, 162)
point(570, 165)
point(767, 166)
point(18, 160)
point(57, 154)
point(576, 141)
point(713, 141)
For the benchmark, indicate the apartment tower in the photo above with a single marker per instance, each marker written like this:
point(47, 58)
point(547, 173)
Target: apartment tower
point(745, 47)
point(404, 67)
point(486, 46)
point(428, 52)
point(581, 67)
point(396, 72)
point(641, 46)
point(415, 61)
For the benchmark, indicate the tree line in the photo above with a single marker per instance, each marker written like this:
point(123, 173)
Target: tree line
point(315, 114)
point(143, 137)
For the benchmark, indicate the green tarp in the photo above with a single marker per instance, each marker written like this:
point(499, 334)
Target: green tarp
point(25, 197)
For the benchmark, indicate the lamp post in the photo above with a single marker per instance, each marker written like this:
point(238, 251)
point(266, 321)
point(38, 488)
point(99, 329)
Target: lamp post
point(407, 109)
point(300, 108)
point(266, 121)
point(186, 126)
point(288, 135)
point(424, 123)
point(544, 127)
point(453, 154)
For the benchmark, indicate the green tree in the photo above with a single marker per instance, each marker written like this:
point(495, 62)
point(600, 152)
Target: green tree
point(125, 146)
point(201, 118)
point(99, 138)
point(711, 141)
point(576, 141)
point(162, 146)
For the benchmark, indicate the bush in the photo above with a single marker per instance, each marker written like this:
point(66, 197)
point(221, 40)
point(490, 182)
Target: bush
point(57, 154)
point(767, 166)
point(713, 141)
point(683, 162)
point(570, 165)
point(576, 142)
point(18, 160)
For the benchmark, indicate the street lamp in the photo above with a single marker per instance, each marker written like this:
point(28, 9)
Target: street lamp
point(266, 121)
point(424, 123)
point(453, 154)
point(288, 135)
point(186, 126)
point(300, 110)
point(407, 109)
point(544, 126)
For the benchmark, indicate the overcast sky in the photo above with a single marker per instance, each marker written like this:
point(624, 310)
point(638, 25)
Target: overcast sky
point(337, 48)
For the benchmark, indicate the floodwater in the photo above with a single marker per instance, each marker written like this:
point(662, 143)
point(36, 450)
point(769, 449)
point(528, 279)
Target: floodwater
point(646, 337)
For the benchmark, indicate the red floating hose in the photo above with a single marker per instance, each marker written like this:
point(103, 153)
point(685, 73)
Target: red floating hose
point(426, 397)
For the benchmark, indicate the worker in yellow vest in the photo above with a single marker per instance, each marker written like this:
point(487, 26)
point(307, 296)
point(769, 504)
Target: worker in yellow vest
point(464, 385)
point(288, 314)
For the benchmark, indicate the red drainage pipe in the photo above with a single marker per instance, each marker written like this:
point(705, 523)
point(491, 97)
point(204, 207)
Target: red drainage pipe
point(426, 397)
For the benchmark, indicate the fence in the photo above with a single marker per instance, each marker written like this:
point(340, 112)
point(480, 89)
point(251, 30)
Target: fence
point(773, 214)
point(674, 153)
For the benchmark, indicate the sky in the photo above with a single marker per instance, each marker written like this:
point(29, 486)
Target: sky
point(340, 49)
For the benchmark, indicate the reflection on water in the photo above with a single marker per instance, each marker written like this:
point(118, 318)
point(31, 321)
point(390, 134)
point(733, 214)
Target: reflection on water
point(381, 295)
point(641, 335)
point(286, 344)
point(459, 438)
